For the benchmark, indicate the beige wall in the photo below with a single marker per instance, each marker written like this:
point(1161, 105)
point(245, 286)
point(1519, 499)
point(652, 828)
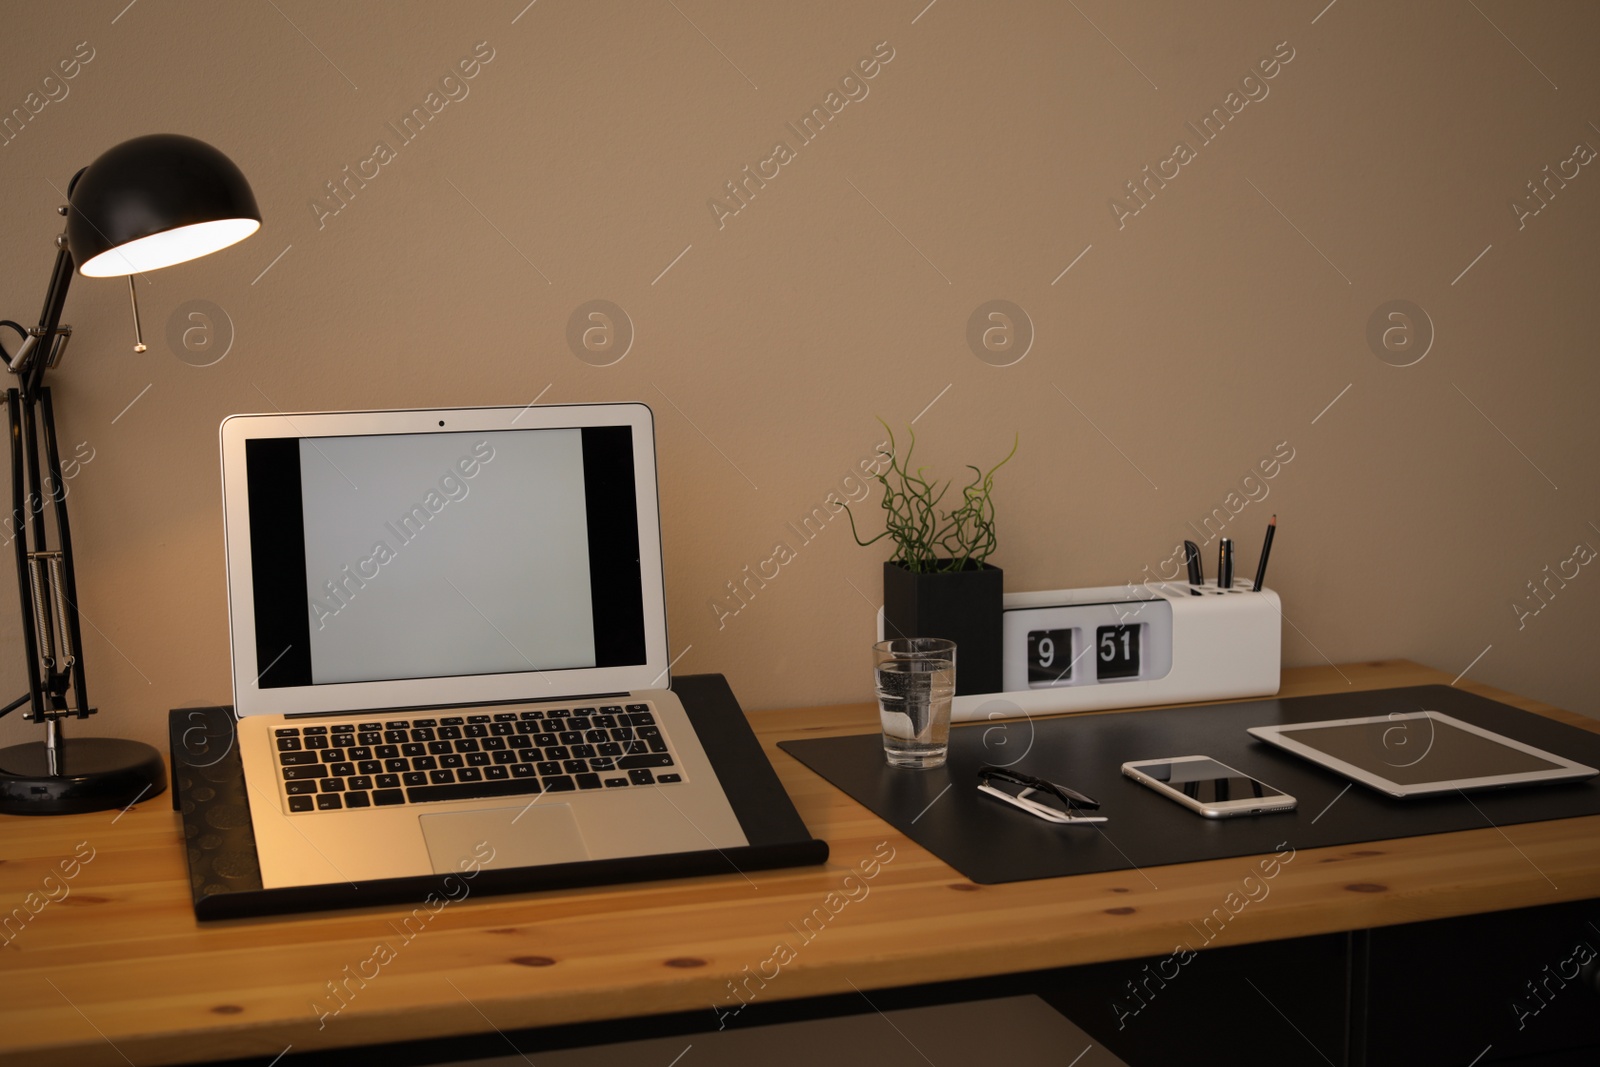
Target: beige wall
point(1191, 338)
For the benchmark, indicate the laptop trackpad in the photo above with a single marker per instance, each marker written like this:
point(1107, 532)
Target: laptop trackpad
point(502, 837)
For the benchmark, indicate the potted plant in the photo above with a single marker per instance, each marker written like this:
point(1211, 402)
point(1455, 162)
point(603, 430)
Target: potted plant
point(938, 582)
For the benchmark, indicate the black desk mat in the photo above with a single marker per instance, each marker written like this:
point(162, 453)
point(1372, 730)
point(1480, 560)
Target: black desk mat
point(225, 878)
point(990, 842)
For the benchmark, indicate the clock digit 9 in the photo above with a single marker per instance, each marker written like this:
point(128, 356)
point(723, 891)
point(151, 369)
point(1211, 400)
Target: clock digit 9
point(1049, 657)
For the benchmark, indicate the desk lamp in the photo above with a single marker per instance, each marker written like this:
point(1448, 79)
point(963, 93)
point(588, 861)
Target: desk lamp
point(146, 203)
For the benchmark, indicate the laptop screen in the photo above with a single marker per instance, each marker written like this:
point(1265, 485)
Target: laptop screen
point(460, 556)
point(431, 555)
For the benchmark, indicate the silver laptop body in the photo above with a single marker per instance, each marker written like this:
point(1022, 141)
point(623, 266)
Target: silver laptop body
point(449, 644)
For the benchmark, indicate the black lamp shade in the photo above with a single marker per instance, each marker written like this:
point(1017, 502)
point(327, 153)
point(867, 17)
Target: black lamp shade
point(155, 201)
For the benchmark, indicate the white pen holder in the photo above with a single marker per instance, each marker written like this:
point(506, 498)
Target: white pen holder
point(1118, 647)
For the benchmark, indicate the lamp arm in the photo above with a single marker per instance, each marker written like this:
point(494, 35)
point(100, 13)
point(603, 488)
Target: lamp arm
point(46, 580)
point(64, 579)
point(31, 360)
point(19, 539)
point(34, 364)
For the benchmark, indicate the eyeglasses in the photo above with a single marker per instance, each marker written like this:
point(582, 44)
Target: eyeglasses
point(1071, 798)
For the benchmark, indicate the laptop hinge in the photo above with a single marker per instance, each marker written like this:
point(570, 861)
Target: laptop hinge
point(424, 708)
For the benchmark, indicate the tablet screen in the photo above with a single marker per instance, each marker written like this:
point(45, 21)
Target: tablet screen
point(1414, 751)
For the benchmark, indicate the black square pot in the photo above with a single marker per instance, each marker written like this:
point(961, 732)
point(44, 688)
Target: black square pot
point(962, 606)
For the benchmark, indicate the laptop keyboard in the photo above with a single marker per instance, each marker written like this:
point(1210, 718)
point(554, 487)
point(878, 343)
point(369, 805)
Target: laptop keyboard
point(368, 763)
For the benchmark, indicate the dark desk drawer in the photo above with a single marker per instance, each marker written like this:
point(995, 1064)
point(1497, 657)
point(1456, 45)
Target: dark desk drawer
point(1278, 1002)
point(1500, 988)
point(1496, 988)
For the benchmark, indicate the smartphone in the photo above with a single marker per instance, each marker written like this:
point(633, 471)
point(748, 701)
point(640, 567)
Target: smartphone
point(1213, 789)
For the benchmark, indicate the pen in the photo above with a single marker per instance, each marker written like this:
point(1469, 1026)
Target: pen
point(1225, 564)
point(1197, 575)
point(1266, 550)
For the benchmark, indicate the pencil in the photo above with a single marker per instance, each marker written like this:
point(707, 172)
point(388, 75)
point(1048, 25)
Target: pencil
point(1266, 550)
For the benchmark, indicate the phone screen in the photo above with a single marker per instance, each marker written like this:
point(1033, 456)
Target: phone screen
point(1208, 781)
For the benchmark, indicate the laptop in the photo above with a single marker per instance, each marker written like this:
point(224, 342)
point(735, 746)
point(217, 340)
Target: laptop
point(449, 644)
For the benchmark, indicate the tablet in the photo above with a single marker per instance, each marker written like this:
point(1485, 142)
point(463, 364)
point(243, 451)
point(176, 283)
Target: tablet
point(1420, 753)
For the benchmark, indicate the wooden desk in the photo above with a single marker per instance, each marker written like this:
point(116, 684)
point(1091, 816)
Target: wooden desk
point(118, 970)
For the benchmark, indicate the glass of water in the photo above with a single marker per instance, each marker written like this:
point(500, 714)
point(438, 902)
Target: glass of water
point(915, 679)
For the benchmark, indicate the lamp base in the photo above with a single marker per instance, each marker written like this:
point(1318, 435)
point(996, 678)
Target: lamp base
point(98, 773)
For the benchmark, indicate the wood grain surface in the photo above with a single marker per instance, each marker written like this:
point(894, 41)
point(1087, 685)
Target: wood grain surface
point(107, 965)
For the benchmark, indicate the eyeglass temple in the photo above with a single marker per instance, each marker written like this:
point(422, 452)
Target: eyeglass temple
point(1070, 794)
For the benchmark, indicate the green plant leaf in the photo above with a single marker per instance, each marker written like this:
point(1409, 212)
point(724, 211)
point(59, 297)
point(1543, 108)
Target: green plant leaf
point(926, 538)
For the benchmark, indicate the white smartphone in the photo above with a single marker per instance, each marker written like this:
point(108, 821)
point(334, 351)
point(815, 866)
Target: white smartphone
point(1213, 789)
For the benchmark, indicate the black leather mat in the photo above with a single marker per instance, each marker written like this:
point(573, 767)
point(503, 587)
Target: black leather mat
point(990, 842)
point(208, 788)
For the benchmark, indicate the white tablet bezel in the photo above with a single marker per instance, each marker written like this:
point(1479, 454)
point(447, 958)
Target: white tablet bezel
point(1566, 770)
point(251, 699)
